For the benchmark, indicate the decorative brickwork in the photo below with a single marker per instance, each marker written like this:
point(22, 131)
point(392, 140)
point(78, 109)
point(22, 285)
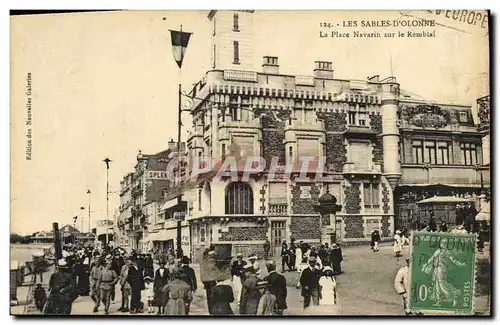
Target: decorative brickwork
point(385, 198)
point(334, 121)
point(306, 227)
point(354, 227)
point(376, 123)
point(352, 199)
point(273, 146)
point(336, 152)
point(302, 205)
point(386, 230)
point(244, 234)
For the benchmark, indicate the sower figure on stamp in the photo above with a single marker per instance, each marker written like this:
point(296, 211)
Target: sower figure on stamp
point(309, 280)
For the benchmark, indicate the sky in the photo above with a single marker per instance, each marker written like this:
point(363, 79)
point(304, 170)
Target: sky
point(105, 85)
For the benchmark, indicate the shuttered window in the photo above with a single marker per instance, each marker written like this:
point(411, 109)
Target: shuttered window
point(307, 147)
point(361, 155)
point(246, 145)
point(277, 193)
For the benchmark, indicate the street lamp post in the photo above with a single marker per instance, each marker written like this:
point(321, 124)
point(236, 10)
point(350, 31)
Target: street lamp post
point(88, 193)
point(180, 42)
point(107, 161)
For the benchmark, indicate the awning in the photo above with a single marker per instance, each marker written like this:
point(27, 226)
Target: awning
point(158, 236)
point(466, 185)
point(445, 199)
point(169, 204)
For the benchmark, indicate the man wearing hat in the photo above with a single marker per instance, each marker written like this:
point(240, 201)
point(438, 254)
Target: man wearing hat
point(267, 301)
point(125, 287)
point(309, 281)
point(180, 294)
point(250, 296)
point(61, 290)
point(136, 280)
point(336, 258)
point(252, 260)
point(237, 274)
point(401, 284)
point(209, 262)
point(106, 283)
point(162, 276)
point(95, 273)
point(277, 286)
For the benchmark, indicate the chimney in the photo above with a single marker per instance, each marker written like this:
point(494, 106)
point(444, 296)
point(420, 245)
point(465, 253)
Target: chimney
point(172, 146)
point(270, 65)
point(323, 69)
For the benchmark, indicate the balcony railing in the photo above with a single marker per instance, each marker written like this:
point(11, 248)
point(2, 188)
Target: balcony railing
point(278, 209)
point(351, 168)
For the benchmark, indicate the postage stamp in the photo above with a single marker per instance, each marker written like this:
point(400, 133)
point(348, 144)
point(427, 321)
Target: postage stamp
point(442, 273)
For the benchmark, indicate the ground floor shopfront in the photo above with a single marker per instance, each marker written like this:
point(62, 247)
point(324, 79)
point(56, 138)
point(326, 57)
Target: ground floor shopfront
point(411, 216)
point(248, 233)
point(164, 237)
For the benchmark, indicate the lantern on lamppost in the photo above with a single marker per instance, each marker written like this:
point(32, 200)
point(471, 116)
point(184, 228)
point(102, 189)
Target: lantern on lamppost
point(328, 207)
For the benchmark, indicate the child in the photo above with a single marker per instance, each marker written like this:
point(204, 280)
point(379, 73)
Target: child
point(40, 297)
point(148, 281)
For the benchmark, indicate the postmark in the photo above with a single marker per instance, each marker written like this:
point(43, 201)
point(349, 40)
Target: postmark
point(442, 273)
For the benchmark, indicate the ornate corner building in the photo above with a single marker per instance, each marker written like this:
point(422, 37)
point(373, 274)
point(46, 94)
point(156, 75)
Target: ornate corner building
point(385, 148)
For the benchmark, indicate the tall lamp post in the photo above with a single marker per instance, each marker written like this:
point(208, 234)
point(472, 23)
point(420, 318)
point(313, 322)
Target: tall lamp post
point(180, 42)
point(107, 161)
point(88, 193)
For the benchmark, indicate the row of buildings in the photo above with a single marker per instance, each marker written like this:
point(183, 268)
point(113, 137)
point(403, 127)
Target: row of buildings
point(385, 148)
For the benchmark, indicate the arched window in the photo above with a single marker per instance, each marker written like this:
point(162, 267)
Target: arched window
point(239, 198)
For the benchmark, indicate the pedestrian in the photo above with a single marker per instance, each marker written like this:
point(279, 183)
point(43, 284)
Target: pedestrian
point(252, 260)
point(375, 239)
point(106, 282)
point(267, 301)
point(222, 297)
point(443, 227)
point(125, 287)
point(149, 266)
point(398, 243)
point(309, 281)
point(179, 293)
point(162, 277)
point(291, 257)
point(95, 273)
point(209, 285)
point(336, 258)
point(189, 277)
point(298, 258)
point(250, 296)
point(284, 257)
point(237, 275)
point(40, 297)
point(328, 285)
point(277, 286)
point(401, 284)
point(171, 264)
point(322, 254)
point(148, 283)
point(136, 280)
point(61, 289)
point(267, 247)
point(432, 223)
point(115, 267)
point(84, 277)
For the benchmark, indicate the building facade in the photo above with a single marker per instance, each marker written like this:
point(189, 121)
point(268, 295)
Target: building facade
point(380, 143)
point(142, 200)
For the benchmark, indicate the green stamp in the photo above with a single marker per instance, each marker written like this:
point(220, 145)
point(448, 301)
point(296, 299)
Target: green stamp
point(442, 273)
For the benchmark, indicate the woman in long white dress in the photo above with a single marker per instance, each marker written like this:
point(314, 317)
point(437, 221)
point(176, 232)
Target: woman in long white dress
point(398, 243)
point(328, 286)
